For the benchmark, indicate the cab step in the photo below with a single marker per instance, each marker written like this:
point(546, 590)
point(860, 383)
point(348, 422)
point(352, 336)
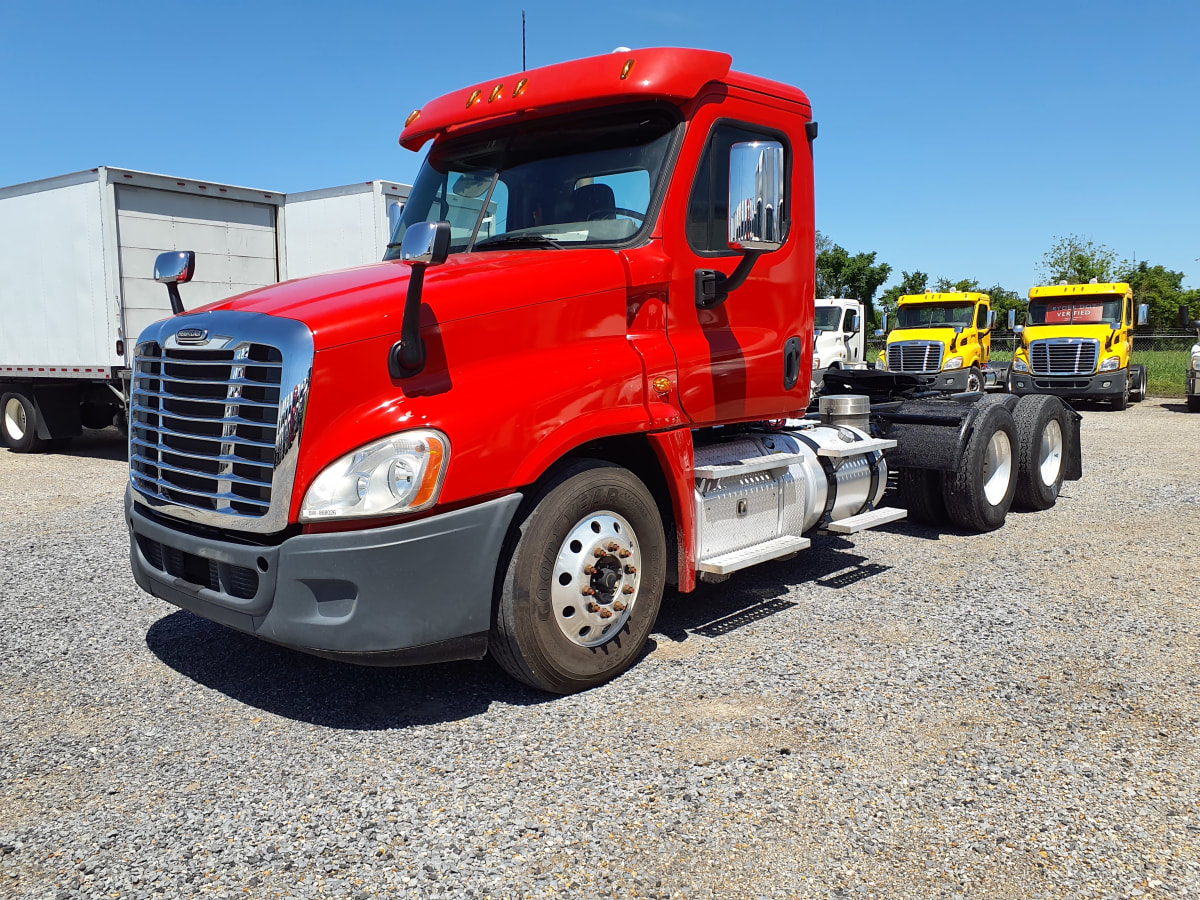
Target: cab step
point(856, 448)
point(749, 466)
point(749, 556)
point(871, 519)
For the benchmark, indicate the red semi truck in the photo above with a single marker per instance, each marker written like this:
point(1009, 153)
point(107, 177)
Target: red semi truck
point(568, 385)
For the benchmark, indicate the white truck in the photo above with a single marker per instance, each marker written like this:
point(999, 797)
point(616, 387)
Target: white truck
point(76, 275)
point(838, 342)
point(1193, 369)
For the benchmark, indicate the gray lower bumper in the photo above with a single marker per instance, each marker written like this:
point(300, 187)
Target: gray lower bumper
point(1105, 385)
point(411, 593)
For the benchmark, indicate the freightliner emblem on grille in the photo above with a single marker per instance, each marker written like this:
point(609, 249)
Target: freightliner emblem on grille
point(191, 335)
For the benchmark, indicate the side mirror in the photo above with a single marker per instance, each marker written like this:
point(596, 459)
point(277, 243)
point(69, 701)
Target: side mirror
point(756, 196)
point(855, 324)
point(1012, 320)
point(991, 319)
point(174, 268)
point(1185, 317)
point(426, 244)
point(1143, 313)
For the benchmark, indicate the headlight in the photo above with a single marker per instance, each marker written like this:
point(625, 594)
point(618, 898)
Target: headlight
point(954, 362)
point(1196, 363)
point(1113, 362)
point(1019, 365)
point(399, 474)
point(881, 363)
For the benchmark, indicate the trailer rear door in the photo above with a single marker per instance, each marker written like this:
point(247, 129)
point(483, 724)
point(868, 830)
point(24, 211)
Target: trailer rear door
point(234, 240)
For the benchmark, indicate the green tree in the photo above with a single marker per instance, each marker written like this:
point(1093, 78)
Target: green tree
point(841, 275)
point(1161, 288)
point(910, 283)
point(1076, 261)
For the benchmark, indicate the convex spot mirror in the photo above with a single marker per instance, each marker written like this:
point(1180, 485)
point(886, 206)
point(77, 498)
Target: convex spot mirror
point(426, 243)
point(756, 196)
point(175, 267)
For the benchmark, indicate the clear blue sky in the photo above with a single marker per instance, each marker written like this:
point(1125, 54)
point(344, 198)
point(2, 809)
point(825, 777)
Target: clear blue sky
point(956, 138)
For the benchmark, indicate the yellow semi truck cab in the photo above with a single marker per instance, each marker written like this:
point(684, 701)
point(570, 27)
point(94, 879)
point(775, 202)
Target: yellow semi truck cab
point(1077, 342)
point(944, 338)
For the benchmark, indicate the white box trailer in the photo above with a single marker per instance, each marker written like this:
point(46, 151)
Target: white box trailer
point(76, 275)
point(339, 227)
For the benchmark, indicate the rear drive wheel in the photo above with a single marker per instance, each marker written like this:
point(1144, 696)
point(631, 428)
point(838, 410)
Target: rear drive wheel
point(18, 424)
point(921, 495)
point(979, 495)
point(584, 580)
point(1041, 428)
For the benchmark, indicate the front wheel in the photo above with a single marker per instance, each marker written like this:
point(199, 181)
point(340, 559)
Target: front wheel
point(583, 580)
point(1137, 375)
point(979, 495)
point(974, 380)
point(1121, 401)
point(18, 424)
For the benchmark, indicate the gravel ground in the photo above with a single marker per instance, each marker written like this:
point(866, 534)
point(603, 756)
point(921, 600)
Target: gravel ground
point(905, 714)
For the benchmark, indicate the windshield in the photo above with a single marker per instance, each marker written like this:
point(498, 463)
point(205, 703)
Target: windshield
point(580, 179)
point(935, 315)
point(828, 318)
point(1075, 312)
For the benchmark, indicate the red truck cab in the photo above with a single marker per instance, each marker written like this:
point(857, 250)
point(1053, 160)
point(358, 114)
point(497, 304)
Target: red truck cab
point(510, 434)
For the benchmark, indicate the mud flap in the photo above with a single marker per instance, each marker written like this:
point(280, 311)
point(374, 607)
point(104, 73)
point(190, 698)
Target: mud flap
point(1073, 449)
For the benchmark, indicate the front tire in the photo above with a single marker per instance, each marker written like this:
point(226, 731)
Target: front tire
point(979, 495)
point(1138, 375)
point(974, 380)
point(1121, 401)
point(583, 581)
point(1041, 439)
point(19, 424)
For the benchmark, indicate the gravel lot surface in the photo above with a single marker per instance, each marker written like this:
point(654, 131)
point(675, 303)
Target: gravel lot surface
point(904, 714)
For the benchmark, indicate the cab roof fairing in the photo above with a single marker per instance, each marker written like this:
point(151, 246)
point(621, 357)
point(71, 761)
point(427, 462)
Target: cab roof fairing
point(675, 75)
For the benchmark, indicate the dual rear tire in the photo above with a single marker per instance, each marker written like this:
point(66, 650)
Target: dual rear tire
point(19, 423)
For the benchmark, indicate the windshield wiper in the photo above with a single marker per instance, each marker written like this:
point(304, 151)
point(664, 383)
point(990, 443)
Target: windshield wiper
point(537, 240)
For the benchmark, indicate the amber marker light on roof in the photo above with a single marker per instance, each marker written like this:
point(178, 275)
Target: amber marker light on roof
point(495, 92)
point(628, 67)
point(412, 117)
point(475, 95)
point(520, 88)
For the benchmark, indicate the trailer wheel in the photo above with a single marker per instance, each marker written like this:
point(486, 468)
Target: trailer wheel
point(18, 424)
point(1138, 375)
point(979, 495)
point(583, 580)
point(1040, 445)
point(921, 495)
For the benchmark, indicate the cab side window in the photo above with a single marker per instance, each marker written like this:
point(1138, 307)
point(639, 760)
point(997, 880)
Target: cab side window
point(708, 205)
point(981, 318)
point(1128, 312)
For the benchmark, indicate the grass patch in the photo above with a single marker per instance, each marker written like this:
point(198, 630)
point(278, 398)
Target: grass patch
point(1166, 371)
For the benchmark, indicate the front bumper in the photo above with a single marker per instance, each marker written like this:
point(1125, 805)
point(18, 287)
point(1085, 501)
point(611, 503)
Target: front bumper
point(412, 593)
point(954, 381)
point(1104, 385)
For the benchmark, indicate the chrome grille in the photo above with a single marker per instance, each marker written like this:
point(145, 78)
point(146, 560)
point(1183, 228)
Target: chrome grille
point(1064, 356)
point(919, 357)
point(215, 421)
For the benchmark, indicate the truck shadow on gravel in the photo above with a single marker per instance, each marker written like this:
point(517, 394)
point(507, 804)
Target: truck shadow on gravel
point(324, 692)
point(107, 443)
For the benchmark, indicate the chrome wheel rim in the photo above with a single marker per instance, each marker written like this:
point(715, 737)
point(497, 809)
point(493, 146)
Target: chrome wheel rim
point(595, 582)
point(997, 468)
point(15, 422)
point(1050, 453)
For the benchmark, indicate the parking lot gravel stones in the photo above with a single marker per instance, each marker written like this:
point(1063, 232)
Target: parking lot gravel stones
point(909, 713)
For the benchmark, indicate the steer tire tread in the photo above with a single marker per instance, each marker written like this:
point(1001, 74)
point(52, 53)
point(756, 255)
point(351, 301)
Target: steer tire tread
point(530, 647)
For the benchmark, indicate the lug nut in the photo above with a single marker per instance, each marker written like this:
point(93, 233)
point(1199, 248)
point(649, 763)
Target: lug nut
point(619, 606)
point(628, 589)
point(598, 552)
point(613, 546)
point(587, 590)
point(625, 554)
point(589, 570)
point(606, 613)
point(592, 607)
point(630, 570)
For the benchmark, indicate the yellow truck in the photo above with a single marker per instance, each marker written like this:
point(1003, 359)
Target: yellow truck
point(944, 338)
point(1077, 342)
